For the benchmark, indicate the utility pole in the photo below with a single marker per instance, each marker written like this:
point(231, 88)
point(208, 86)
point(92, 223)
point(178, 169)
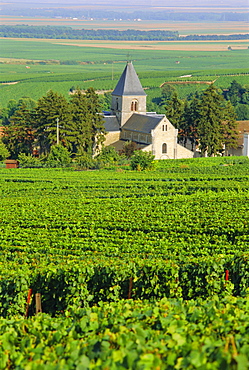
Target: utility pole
point(57, 131)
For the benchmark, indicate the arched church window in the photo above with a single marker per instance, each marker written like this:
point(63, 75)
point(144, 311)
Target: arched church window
point(164, 148)
point(134, 105)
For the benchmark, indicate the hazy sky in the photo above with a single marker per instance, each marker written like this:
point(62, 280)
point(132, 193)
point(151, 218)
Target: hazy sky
point(154, 3)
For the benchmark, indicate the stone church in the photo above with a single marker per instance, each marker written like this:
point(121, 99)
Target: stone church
point(128, 120)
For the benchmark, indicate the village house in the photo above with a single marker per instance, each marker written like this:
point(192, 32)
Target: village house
point(128, 120)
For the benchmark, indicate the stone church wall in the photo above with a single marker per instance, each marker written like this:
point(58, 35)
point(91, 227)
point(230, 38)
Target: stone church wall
point(111, 137)
point(183, 152)
point(164, 140)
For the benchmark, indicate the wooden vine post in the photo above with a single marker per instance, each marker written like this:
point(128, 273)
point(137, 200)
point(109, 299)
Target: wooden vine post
point(130, 288)
point(38, 303)
point(227, 275)
point(28, 303)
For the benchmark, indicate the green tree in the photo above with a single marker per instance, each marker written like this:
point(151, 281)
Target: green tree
point(234, 92)
point(229, 127)
point(174, 110)
point(242, 111)
point(28, 102)
point(106, 100)
point(52, 109)
point(168, 91)
point(141, 161)
point(19, 134)
point(87, 129)
point(4, 153)
point(108, 156)
point(58, 156)
point(189, 120)
point(212, 114)
point(11, 107)
point(29, 161)
point(7, 112)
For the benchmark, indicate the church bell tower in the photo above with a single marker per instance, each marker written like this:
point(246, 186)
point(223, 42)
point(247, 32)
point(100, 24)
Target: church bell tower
point(128, 96)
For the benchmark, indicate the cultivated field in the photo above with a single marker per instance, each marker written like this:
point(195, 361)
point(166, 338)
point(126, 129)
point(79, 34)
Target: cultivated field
point(31, 67)
point(136, 270)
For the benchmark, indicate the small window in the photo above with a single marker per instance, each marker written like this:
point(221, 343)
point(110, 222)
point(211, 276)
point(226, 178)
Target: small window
point(116, 103)
point(166, 128)
point(164, 148)
point(134, 106)
point(162, 127)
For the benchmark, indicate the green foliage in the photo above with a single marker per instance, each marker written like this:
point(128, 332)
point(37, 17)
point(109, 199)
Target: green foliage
point(215, 123)
point(168, 334)
point(58, 156)
point(50, 109)
point(19, 134)
point(87, 126)
point(135, 269)
point(29, 161)
point(141, 161)
point(168, 90)
point(174, 110)
point(108, 156)
point(242, 112)
point(4, 153)
point(95, 69)
point(238, 96)
point(84, 160)
point(128, 149)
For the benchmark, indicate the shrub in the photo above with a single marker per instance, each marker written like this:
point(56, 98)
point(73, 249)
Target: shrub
point(4, 153)
point(141, 161)
point(85, 161)
point(59, 156)
point(108, 156)
point(28, 161)
point(128, 148)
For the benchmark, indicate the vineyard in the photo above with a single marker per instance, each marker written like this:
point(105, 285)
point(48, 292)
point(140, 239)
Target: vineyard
point(52, 64)
point(136, 270)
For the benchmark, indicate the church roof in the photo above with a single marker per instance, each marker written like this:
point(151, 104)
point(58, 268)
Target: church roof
point(111, 123)
point(142, 123)
point(129, 83)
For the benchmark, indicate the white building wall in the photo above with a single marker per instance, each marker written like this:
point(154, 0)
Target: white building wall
point(164, 133)
point(183, 152)
point(246, 145)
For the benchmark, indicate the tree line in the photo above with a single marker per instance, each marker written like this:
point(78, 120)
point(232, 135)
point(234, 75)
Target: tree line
point(237, 94)
point(34, 128)
point(208, 120)
point(61, 32)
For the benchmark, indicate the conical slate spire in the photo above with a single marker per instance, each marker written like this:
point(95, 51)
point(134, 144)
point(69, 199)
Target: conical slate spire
point(129, 83)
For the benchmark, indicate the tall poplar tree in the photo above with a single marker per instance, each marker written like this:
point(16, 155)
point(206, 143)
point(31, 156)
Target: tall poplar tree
point(189, 121)
point(174, 110)
point(229, 127)
point(209, 122)
point(87, 130)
